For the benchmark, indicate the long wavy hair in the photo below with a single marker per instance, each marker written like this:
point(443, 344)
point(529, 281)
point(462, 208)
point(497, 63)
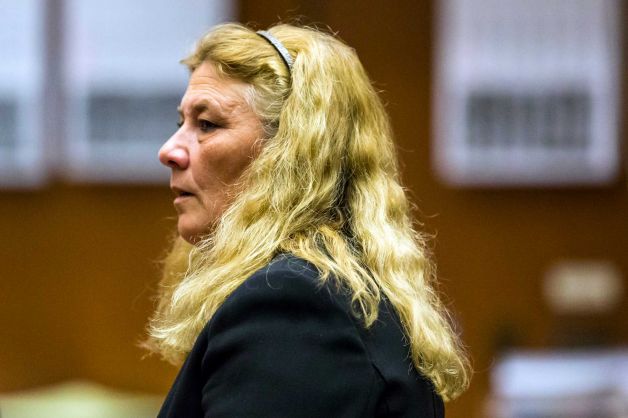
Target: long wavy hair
point(325, 187)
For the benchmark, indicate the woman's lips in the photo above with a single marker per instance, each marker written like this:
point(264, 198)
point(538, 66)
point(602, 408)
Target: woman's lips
point(181, 194)
point(181, 199)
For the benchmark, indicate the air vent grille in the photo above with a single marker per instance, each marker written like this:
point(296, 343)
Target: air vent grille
point(8, 124)
point(120, 118)
point(551, 121)
point(527, 92)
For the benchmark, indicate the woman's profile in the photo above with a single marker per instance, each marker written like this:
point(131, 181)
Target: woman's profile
point(297, 286)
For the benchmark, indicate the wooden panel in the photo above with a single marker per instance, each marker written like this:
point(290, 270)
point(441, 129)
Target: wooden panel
point(78, 265)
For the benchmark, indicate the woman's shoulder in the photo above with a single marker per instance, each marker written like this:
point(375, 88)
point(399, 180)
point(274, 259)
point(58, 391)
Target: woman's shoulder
point(287, 284)
point(285, 269)
point(286, 327)
point(282, 345)
point(284, 278)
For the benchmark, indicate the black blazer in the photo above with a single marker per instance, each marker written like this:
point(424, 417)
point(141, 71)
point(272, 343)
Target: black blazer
point(282, 345)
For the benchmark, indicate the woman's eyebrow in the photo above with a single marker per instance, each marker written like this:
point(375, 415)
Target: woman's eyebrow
point(198, 107)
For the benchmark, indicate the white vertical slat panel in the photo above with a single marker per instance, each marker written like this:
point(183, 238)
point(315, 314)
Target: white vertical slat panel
point(21, 93)
point(527, 92)
point(124, 82)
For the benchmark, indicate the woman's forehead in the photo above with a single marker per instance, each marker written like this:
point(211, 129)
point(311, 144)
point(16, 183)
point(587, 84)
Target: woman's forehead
point(210, 90)
point(207, 78)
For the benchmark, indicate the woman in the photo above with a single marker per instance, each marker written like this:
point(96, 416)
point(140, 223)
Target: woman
point(298, 287)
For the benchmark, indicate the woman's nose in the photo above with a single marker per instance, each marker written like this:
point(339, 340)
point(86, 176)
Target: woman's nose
point(173, 153)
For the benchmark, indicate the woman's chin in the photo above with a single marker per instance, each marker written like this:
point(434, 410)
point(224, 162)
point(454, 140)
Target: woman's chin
point(192, 232)
point(189, 233)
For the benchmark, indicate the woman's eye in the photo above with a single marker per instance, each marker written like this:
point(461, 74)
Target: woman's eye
point(206, 126)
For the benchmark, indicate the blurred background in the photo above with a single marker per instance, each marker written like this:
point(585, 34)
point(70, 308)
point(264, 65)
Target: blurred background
point(510, 122)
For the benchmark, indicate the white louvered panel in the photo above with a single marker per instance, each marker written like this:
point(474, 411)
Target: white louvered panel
point(527, 92)
point(124, 82)
point(21, 94)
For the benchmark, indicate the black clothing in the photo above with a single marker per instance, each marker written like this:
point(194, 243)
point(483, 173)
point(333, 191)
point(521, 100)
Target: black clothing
point(283, 345)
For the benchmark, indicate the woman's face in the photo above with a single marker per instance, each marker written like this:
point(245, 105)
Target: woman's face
point(218, 137)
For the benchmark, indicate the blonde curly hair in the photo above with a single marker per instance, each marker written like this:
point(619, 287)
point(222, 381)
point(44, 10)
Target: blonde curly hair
point(325, 188)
